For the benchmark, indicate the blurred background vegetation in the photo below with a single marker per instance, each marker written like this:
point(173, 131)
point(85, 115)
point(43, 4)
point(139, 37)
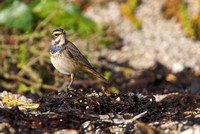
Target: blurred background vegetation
point(25, 31)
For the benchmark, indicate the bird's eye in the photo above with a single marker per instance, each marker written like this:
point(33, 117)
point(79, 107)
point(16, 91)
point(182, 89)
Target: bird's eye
point(57, 34)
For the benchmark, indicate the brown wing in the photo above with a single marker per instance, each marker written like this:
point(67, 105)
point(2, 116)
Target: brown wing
point(75, 54)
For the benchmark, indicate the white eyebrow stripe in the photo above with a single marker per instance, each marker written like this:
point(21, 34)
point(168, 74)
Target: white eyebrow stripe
point(57, 33)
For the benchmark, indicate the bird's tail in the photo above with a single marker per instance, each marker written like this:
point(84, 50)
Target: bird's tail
point(98, 75)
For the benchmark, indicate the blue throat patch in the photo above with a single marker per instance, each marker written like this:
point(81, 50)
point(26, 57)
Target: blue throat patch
point(55, 49)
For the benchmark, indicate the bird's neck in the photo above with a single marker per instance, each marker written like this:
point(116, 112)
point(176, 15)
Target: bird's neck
point(55, 49)
point(57, 46)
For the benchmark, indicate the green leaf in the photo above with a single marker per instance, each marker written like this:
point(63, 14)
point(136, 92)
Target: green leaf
point(67, 16)
point(44, 7)
point(107, 75)
point(17, 15)
point(186, 21)
point(72, 9)
point(78, 22)
point(114, 90)
point(22, 55)
point(23, 88)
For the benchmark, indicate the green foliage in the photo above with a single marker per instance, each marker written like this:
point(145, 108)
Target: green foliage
point(23, 88)
point(17, 15)
point(178, 9)
point(106, 41)
point(185, 20)
point(56, 79)
point(25, 58)
point(107, 75)
point(127, 9)
point(126, 71)
point(67, 16)
point(44, 7)
point(196, 23)
point(114, 90)
point(22, 55)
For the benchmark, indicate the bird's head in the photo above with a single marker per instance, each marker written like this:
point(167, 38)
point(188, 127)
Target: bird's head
point(58, 37)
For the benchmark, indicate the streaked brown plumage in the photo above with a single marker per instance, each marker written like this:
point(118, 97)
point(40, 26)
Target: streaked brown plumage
point(66, 57)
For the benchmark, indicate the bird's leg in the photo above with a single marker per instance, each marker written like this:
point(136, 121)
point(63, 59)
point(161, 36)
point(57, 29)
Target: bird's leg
point(72, 78)
point(65, 84)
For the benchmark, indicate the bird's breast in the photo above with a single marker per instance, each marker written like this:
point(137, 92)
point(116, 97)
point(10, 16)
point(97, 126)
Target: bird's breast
point(63, 63)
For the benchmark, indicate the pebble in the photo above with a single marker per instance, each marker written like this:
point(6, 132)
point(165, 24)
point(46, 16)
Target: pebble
point(158, 39)
point(15, 97)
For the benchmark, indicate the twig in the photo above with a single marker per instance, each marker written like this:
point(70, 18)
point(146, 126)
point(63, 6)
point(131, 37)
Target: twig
point(16, 77)
point(122, 121)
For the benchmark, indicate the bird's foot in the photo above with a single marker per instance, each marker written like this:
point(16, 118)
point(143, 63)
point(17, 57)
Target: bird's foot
point(67, 89)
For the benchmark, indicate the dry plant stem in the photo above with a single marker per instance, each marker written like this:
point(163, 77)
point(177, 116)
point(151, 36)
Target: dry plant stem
point(21, 79)
point(26, 36)
point(144, 127)
point(10, 86)
point(64, 85)
point(126, 121)
point(30, 63)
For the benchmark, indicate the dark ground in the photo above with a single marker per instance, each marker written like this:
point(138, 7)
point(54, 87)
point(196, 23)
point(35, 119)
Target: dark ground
point(94, 110)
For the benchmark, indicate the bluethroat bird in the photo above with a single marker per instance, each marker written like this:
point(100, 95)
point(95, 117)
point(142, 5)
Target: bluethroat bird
point(66, 57)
